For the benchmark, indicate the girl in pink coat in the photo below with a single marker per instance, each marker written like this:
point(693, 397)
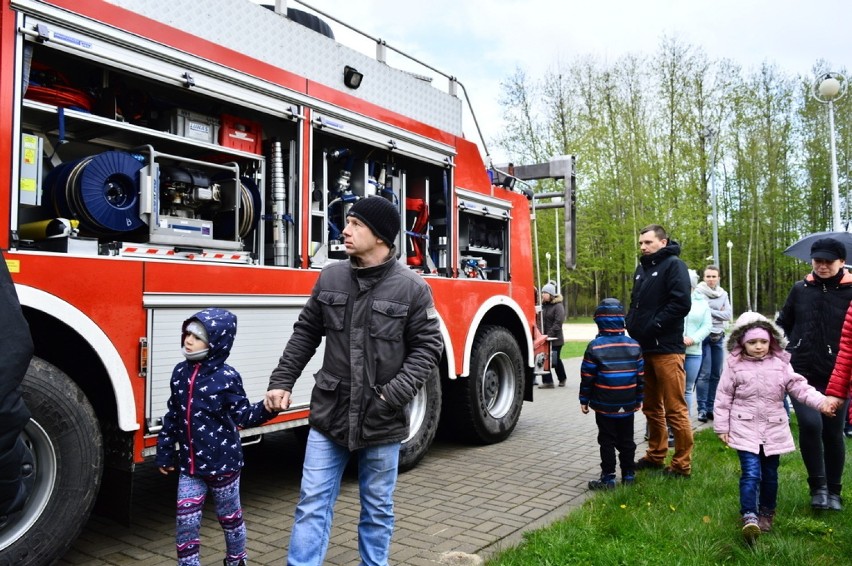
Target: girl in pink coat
point(749, 414)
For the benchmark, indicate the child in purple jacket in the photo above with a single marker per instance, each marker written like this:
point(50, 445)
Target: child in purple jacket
point(749, 414)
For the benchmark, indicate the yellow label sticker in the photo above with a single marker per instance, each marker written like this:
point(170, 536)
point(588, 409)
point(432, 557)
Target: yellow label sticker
point(29, 185)
point(14, 265)
point(29, 156)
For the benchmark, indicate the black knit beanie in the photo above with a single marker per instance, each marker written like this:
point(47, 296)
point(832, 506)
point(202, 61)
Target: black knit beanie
point(380, 215)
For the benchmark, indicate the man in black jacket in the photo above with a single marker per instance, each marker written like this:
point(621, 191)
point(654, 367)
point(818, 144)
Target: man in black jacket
point(382, 342)
point(16, 345)
point(658, 305)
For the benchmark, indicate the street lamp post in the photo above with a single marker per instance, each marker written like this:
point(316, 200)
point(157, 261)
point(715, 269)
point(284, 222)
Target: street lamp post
point(730, 245)
point(829, 88)
point(709, 134)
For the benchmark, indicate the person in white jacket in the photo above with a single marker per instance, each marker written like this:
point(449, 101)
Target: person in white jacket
point(696, 327)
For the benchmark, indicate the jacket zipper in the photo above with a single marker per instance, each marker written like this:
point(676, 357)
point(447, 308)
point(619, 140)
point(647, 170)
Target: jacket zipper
point(189, 419)
point(825, 290)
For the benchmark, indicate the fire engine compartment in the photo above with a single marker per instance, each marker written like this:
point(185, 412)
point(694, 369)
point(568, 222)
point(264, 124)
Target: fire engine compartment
point(116, 161)
point(127, 160)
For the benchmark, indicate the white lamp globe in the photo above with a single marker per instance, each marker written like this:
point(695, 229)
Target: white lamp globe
point(829, 88)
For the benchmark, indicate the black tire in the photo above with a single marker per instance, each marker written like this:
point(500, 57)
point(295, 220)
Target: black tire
point(489, 400)
point(425, 413)
point(66, 442)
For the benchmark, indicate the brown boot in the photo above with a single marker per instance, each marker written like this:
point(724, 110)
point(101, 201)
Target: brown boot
point(764, 519)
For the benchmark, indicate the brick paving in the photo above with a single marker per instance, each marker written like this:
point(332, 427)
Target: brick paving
point(460, 498)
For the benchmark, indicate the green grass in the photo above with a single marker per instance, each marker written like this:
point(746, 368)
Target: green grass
point(573, 349)
point(690, 521)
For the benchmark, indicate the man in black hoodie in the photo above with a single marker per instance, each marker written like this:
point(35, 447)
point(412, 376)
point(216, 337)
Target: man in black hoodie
point(658, 305)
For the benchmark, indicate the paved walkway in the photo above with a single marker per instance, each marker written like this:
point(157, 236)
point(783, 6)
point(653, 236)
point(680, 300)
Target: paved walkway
point(461, 498)
point(579, 331)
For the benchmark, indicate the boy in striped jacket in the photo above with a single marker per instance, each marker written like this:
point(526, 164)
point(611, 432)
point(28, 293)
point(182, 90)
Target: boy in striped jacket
point(611, 383)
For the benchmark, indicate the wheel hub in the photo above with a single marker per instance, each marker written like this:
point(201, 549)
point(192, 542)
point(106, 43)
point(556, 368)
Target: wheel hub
point(498, 385)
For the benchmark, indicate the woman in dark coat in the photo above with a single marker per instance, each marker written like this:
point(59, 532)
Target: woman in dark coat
point(553, 316)
point(812, 319)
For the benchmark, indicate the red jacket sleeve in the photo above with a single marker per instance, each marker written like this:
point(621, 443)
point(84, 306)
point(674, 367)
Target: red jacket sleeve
point(838, 384)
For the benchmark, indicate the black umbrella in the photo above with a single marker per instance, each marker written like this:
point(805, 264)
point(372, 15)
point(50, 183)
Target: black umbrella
point(802, 249)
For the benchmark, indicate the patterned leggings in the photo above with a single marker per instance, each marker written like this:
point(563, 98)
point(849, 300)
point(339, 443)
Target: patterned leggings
point(192, 492)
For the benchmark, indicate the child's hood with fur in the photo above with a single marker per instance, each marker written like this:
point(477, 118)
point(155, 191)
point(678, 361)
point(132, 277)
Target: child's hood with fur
point(749, 320)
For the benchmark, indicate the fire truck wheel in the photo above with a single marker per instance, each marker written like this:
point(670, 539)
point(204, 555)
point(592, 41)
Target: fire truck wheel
point(65, 439)
point(490, 398)
point(425, 413)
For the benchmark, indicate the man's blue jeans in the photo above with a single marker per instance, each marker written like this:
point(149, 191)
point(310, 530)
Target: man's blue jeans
point(325, 462)
point(712, 357)
point(758, 481)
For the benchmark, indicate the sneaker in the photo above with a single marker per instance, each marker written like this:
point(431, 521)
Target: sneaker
point(702, 416)
point(645, 464)
point(670, 472)
point(710, 415)
point(628, 479)
point(546, 386)
point(751, 527)
point(606, 481)
point(847, 430)
point(561, 384)
point(671, 442)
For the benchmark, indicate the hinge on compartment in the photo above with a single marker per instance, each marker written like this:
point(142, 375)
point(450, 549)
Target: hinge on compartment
point(42, 33)
point(143, 357)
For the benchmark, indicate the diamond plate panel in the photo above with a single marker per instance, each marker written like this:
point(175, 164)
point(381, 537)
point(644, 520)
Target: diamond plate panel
point(260, 33)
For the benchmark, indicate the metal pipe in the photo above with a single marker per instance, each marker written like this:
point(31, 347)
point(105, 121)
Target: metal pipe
point(279, 185)
point(558, 278)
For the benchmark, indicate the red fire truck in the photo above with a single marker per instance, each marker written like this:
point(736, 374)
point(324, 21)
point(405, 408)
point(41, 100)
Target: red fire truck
point(163, 156)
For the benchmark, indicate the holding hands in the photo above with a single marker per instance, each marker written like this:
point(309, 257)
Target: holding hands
point(830, 405)
point(277, 400)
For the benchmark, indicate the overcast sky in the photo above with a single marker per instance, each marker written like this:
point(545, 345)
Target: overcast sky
point(482, 41)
